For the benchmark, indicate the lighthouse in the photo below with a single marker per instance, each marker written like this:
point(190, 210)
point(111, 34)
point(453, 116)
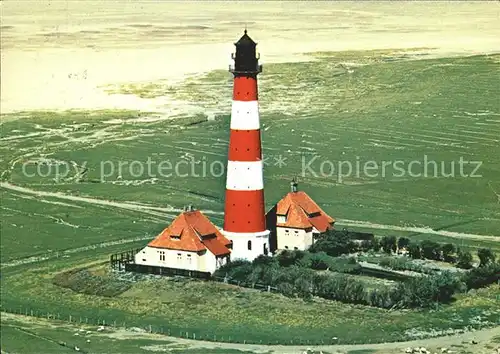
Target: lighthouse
point(244, 211)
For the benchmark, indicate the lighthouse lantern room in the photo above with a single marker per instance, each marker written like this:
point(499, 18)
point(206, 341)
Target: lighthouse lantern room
point(244, 214)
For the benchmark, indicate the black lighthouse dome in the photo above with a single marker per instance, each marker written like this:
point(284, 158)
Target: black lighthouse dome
point(246, 61)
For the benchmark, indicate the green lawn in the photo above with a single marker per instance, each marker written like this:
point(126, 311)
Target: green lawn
point(215, 311)
point(386, 110)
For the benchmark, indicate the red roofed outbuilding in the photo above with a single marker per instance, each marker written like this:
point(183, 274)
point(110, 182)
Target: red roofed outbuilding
point(191, 242)
point(295, 221)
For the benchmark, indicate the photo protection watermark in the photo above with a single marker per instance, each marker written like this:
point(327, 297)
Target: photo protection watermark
point(309, 166)
point(315, 166)
point(162, 169)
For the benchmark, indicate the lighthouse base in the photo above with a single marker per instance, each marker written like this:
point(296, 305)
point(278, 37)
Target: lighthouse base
point(248, 246)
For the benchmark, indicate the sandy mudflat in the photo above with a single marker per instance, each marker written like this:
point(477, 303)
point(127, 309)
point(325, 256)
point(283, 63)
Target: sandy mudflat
point(59, 54)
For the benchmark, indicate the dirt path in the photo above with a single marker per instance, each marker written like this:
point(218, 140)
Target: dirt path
point(59, 254)
point(153, 210)
point(477, 342)
point(422, 230)
point(483, 338)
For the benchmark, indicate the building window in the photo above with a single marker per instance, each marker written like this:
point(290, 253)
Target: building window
point(162, 255)
point(286, 230)
point(296, 233)
point(286, 247)
point(189, 258)
point(179, 257)
point(249, 245)
point(296, 248)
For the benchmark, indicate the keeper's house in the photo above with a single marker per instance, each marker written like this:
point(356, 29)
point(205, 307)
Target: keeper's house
point(295, 221)
point(190, 243)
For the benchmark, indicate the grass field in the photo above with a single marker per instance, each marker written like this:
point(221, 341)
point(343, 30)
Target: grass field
point(389, 108)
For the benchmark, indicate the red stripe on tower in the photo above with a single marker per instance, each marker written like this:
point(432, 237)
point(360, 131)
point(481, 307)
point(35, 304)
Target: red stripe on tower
point(244, 216)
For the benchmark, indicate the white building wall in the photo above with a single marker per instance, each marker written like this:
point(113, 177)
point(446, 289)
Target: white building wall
point(291, 239)
point(259, 243)
point(158, 257)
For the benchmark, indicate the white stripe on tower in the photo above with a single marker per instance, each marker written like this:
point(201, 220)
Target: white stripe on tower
point(245, 115)
point(244, 175)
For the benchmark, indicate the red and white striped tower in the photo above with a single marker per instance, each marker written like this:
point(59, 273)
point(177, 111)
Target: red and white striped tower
point(244, 216)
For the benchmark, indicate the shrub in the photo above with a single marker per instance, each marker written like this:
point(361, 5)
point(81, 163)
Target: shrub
point(464, 259)
point(448, 250)
point(425, 291)
point(334, 243)
point(389, 244)
point(486, 256)
point(430, 250)
point(415, 251)
point(482, 276)
point(403, 242)
point(287, 258)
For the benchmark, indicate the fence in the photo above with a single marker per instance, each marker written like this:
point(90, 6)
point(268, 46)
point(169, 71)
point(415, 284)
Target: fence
point(257, 286)
point(120, 260)
point(124, 261)
point(107, 324)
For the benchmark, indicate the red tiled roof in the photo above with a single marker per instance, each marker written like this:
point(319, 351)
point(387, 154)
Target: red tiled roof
point(196, 233)
point(302, 212)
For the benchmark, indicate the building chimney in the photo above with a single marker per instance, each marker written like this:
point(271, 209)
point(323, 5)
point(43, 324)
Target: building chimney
point(244, 210)
point(293, 186)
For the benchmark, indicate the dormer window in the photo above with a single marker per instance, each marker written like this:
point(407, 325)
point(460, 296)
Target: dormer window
point(208, 236)
point(175, 238)
point(281, 219)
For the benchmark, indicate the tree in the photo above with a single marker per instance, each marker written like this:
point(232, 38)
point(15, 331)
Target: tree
point(426, 291)
point(482, 276)
point(366, 245)
point(486, 256)
point(389, 244)
point(448, 250)
point(414, 251)
point(334, 243)
point(430, 250)
point(403, 242)
point(464, 259)
point(288, 258)
point(376, 244)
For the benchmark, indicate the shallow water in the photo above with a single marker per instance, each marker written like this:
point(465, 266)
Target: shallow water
point(57, 54)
